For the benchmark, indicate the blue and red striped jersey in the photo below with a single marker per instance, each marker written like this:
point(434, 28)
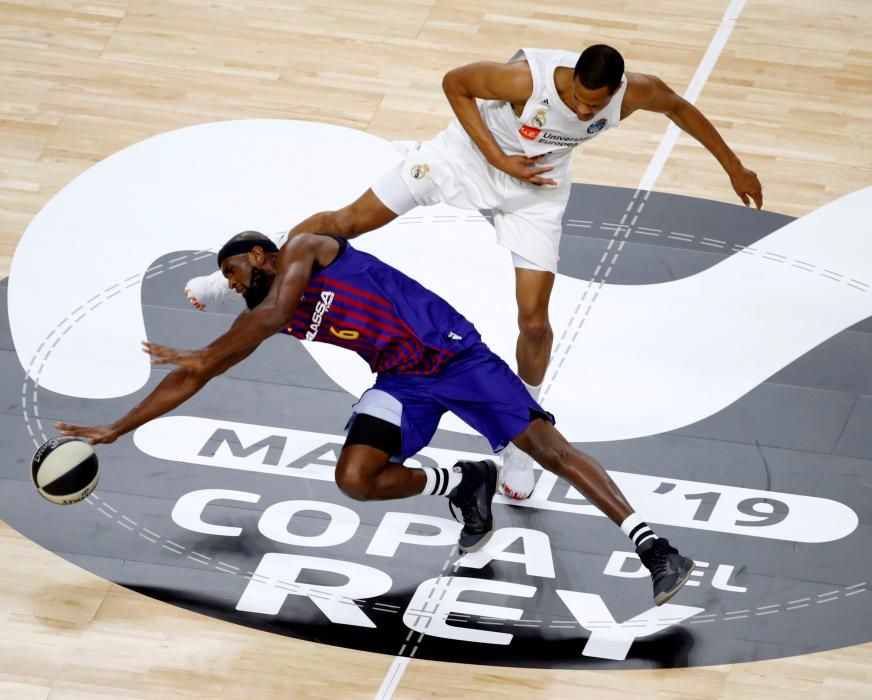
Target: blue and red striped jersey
point(390, 320)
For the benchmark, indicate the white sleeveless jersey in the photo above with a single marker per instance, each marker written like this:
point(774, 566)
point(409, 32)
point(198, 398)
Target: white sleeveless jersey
point(547, 125)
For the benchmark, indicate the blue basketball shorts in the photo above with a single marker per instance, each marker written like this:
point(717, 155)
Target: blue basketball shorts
point(476, 385)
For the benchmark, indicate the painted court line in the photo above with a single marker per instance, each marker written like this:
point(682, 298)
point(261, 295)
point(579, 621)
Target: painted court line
point(703, 71)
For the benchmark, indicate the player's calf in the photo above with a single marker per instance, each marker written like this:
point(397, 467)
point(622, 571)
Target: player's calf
point(668, 568)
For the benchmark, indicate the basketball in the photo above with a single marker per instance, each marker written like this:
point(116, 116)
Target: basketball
point(65, 470)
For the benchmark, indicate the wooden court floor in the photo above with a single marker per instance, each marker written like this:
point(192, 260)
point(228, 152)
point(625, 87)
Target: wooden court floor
point(791, 92)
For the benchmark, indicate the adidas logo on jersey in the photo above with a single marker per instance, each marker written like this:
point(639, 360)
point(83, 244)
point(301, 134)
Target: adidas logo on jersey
point(544, 102)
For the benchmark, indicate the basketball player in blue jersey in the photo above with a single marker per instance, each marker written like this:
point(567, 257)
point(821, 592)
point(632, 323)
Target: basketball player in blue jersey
point(428, 358)
point(510, 150)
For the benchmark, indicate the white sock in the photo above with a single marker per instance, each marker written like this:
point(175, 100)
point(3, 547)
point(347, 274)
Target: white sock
point(637, 529)
point(534, 390)
point(440, 481)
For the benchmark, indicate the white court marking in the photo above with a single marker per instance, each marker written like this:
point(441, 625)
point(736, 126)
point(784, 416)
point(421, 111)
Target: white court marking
point(703, 71)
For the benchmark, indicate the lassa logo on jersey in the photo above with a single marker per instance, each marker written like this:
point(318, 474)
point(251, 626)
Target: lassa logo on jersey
point(321, 308)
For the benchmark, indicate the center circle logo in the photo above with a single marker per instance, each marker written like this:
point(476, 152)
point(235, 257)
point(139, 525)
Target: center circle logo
point(719, 370)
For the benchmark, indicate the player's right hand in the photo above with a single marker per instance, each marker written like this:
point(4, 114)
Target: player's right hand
point(95, 434)
point(526, 169)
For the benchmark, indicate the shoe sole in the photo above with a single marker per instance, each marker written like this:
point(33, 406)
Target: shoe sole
point(484, 540)
point(510, 493)
point(478, 545)
point(666, 596)
point(194, 301)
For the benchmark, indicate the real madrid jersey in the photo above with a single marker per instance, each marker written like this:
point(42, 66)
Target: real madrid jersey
point(390, 320)
point(546, 125)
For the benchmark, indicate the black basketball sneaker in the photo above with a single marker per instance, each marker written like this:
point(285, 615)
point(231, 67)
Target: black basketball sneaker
point(473, 496)
point(669, 569)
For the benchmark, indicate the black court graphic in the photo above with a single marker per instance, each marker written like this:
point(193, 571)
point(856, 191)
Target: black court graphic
point(227, 507)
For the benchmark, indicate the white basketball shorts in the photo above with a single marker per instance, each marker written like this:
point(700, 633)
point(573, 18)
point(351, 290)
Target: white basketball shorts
point(449, 168)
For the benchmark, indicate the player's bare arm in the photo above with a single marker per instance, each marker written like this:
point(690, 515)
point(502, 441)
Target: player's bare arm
point(293, 269)
point(650, 93)
point(505, 82)
point(194, 368)
point(176, 388)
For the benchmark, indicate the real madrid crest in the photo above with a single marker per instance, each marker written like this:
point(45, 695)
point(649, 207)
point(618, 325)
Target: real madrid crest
point(420, 170)
point(539, 118)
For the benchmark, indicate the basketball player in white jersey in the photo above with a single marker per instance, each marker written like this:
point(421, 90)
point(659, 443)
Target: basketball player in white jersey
point(509, 150)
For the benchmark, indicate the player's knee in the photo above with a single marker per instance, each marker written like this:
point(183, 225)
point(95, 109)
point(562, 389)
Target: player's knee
point(354, 483)
point(534, 326)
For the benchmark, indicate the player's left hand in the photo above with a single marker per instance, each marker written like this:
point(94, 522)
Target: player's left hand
point(93, 434)
point(747, 186)
point(162, 355)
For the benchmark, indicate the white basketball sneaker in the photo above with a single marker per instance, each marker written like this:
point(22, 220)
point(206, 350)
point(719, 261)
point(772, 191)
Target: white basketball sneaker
point(208, 290)
point(516, 476)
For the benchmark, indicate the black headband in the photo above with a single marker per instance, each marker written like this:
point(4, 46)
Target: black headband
point(245, 246)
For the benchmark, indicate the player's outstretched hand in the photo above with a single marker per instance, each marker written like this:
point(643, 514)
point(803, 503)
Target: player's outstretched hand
point(526, 169)
point(747, 186)
point(93, 434)
point(162, 355)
